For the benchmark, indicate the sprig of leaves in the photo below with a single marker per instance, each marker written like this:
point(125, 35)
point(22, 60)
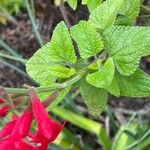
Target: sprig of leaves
point(115, 50)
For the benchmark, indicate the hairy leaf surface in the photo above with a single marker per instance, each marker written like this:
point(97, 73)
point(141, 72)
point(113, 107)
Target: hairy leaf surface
point(130, 8)
point(60, 48)
point(105, 14)
point(104, 76)
point(47, 63)
point(114, 88)
point(136, 85)
point(93, 4)
point(127, 45)
point(94, 98)
point(88, 40)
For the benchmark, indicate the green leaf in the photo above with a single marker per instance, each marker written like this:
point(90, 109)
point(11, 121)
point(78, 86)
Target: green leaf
point(73, 3)
point(127, 45)
point(59, 98)
point(88, 40)
point(93, 4)
point(94, 98)
point(60, 71)
point(114, 88)
point(95, 66)
point(44, 71)
point(61, 47)
point(104, 15)
point(38, 68)
point(136, 85)
point(104, 76)
point(130, 8)
point(46, 65)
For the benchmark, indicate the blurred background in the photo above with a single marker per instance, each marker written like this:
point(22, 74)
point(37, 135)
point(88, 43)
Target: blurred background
point(25, 25)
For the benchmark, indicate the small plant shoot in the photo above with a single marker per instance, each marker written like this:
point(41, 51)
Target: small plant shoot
point(109, 55)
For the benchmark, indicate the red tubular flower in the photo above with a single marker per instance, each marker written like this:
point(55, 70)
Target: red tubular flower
point(7, 129)
point(1, 100)
point(21, 145)
point(4, 109)
point(22, 126)
point(48, 129)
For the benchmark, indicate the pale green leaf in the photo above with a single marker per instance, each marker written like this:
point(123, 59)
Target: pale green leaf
point(59, 98)
point(88, 40)
point(94, 98)
point(93, 4)
point(114, 88)
point(127, 45)
point(84, 2)
point(61, 47)
point(46, 72)
point(95, 66)
point(38, 68)
point(104, 76)
point(46, 65)
point(60, 71)
point(130, 8)
point(136, 85)
point(105, 14)
point(73, 3)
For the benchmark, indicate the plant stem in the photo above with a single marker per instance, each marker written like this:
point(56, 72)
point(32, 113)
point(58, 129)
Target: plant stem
point(145, 9)
point(24, 91)
point(9, 49)
point(23, 61)
point(31, 16)
point(136, 143)
point(14, 67)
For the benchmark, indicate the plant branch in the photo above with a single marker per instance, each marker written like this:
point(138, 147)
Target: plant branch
point(31, 16)
point(145, 9)
point(9, 49)
point(64, 14)
point(14, 67)
point(23, 61)
point(24, 91)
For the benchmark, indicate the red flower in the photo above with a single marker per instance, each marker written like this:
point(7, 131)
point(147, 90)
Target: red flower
point(48, 129)
point(7, 129)
point(16, 130)
point(4, 109)
point(22, 125)
point(16, 136)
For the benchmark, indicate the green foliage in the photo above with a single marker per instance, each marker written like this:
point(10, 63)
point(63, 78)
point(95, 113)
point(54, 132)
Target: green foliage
point(104, 15)
point(50, 60)
point(109, 56)
point(10, 6)
point(132, 136)
point(136, 85)
point(126, 46)
point(130, 8)
point(73, 3)
point(94, 98)
point(114, 88)
point(59, 98)
point(93, 4)
point(104, 76)
point(7, 7)
point(88, 40)
point(61, 48)
point(86, 124)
